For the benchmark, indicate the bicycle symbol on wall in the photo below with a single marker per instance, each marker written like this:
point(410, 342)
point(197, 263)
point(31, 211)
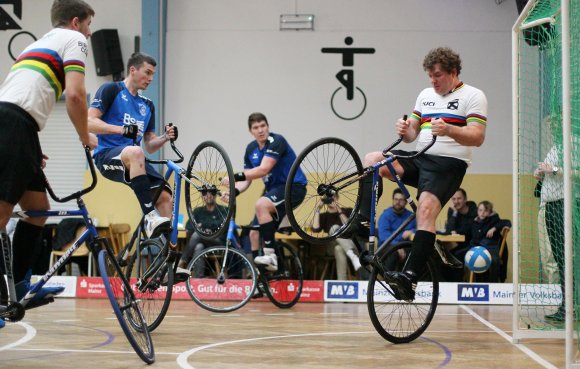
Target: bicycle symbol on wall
point(355, 105)
point(7, 22)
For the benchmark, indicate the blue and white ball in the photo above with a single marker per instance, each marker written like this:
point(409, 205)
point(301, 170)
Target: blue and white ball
point(478, 259)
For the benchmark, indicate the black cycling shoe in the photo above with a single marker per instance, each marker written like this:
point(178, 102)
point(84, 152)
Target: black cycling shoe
point(403, 284)
point(360, 227)
point(558, 316)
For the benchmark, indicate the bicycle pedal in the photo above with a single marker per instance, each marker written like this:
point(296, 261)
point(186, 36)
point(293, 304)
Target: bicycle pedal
point(35, 304)
point(447, 257)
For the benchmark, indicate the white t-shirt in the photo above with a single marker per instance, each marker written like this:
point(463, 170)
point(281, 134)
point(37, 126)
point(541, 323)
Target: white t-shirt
point(553, 185)
point(463, 105)
point(36, 80)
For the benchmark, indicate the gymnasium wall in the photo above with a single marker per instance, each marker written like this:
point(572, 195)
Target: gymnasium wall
point(228, 58)
point(124, 15)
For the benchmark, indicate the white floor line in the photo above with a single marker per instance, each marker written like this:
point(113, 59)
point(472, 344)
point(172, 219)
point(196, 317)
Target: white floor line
point(92, 351)
point(537, 358)
point(66, 320)
point(182, 358)
point(30, 334)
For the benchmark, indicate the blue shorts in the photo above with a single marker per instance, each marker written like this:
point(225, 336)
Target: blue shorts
point(111, 166)
point(276, 195)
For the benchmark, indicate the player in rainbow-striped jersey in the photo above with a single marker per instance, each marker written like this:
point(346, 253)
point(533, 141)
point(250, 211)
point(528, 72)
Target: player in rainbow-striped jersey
point(457, 114)
point(49, 67)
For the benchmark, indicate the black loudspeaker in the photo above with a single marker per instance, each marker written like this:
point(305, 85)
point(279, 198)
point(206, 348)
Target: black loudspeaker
point(107, 52)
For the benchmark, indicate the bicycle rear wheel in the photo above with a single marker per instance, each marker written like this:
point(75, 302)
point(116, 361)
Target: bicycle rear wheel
point(154, 285)
point(400, 321)
point(208, 166)
point(3, 285)
point(125, 306)
point(284, 285)
point(223, 279)
point(331, 166)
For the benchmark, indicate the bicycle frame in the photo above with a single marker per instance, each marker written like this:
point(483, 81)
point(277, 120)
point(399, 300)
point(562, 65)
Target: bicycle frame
point(89, 236)
point(374, 171)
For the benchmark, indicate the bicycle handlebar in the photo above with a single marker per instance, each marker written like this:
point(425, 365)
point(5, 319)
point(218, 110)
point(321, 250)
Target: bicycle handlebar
point(175, 150)
point(164, 161)
point(386, 152)
point(80, 193)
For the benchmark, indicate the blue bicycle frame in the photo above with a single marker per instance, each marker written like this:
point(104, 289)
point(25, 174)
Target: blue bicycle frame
point(89, 236)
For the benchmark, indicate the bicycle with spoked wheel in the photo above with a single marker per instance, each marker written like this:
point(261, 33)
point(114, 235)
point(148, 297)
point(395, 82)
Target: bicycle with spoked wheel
point(125, 304)
point(223, 279)
point(152, 262)
point(333, 167)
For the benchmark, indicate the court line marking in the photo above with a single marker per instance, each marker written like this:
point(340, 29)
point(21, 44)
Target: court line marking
point(30, 334)
point(182, 358)
point(526, 350)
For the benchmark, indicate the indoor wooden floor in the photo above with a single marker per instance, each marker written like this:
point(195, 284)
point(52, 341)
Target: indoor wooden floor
point(84, 334)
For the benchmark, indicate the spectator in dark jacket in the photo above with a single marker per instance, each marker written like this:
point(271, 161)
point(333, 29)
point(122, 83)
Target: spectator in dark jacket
point(460, 216)
point(486, 232)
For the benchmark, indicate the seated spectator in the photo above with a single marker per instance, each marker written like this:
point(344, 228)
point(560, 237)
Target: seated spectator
point(328, 222)
point(460, 216)
point(208, 217)
point(391, 219)
point(486, 232)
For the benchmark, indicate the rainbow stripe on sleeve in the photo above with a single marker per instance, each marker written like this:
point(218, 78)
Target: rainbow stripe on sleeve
point(477, 118)
point(50, 65)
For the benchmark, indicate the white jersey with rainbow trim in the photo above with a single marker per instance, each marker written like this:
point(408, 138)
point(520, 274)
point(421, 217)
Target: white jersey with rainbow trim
point(465, 104)
point(36, 80)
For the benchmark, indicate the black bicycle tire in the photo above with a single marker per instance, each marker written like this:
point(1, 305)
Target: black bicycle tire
point(3, 285)
point(302, 228)
point(266, 279)
point(401, 306)
point(204, 303)
point(230, 188)
point(147, 354)
point(153, 319)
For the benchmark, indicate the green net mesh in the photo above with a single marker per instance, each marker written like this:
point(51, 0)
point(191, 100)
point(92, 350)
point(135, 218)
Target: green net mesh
point(540, 202)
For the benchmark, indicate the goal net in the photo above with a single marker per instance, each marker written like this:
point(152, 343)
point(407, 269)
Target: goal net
point(541, 146)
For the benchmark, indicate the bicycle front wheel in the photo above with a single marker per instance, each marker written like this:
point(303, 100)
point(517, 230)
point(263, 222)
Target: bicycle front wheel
point(284, 286)
point(400, 321)
point(125, 306)
point(332, 168)
point(223, 279)
point(154, 283)
point(208, 166)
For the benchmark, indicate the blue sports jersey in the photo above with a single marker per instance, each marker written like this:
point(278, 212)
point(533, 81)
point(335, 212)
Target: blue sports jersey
point(120, 108)
point(278, 148)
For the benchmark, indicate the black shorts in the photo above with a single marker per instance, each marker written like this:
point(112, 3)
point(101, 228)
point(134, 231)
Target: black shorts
point(277, 196)
point(20, 154)
point(111, 166)
point(439, 175)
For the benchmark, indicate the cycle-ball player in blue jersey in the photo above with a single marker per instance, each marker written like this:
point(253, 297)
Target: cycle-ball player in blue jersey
point(269, 157)
point(122, 118)
point(42, 72)
point(457, 114)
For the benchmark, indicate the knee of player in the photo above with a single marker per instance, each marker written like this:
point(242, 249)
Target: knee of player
point(133, 153)
point(372, 158)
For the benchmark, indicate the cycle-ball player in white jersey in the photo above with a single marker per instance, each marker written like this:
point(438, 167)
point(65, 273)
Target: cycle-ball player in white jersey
point(42, 72)
point(457, 114)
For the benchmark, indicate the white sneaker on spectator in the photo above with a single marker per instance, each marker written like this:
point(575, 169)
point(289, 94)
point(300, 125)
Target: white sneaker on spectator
point(269, 259)
point(155, 224)
point(354, 259)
